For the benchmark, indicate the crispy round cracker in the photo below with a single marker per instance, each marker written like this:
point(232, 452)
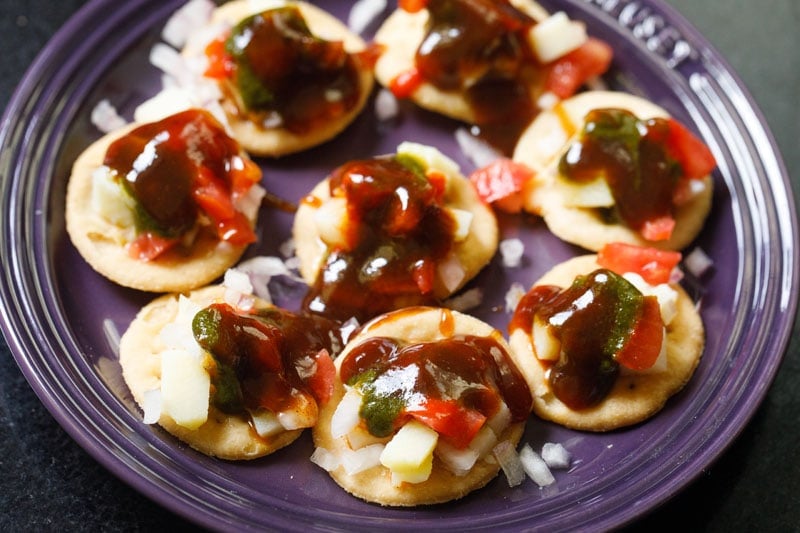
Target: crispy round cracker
point(102, 244)
point(222, 435)
point(402, 33)
point(414, 324)
point(549, 136)
point(472, 253)
point(636, 396)
point(275, 142)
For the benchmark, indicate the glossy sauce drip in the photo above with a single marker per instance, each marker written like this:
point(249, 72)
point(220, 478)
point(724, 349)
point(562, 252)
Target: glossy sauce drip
point(263, 359)
point(591, 319)
point(281, 67)
point(631, 155)
point(478, 46)
point(476, 372)
point(397, 233)
point(159, 164)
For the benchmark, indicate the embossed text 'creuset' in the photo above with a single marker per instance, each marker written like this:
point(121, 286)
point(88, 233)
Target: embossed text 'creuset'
point(649, 27)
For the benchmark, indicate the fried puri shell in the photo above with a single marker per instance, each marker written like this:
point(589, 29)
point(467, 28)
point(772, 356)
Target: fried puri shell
point(416, 324)
point(634, 397)
point(222, 435)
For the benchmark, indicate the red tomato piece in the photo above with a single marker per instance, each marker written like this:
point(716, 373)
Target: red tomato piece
point(643, 346)
point(571, 71)
point(658, 229)
point(654, 265)
point(220, 64)
point(424, 274)
point(455, 423)
point(692, 154)
point(148, 246)
point(321, 382)
point(500, 180)
point(404, 85)
point(412, 6)
point(244, 173)
point(236, 230)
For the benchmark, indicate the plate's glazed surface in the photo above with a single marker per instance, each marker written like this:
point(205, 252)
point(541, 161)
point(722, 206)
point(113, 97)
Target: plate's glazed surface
point(59, 316)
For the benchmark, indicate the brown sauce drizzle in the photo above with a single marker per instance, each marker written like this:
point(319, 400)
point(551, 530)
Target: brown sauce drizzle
point(263, 358)
point(591, 319)
point(158, 164)
point(397, 232)
point(631, 155)
point(478, 47)
point(281, 67)
point(474, 371)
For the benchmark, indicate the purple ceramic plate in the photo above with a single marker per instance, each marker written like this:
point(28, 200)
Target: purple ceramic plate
point(57, 314)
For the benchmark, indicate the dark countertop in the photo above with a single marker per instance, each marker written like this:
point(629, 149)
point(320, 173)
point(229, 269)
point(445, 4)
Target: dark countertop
point(47, 482)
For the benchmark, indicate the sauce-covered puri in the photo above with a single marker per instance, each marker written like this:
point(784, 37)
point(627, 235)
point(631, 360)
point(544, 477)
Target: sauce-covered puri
point(485, 62)
point(290, 76)
point(424, 395)
point(164, 206)
point(390, 232)
point(604, 340)
point(612, 167)
point(232, 380)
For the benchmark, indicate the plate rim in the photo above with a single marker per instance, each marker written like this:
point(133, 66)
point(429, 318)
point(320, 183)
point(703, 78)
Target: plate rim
point(68, 420)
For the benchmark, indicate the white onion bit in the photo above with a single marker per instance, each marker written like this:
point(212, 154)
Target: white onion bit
point(477, 151)
point(180, 25)
point(386, 105)
point(325, 459)
point(151, 406)
point(105, 118)
point(363, 14)
point(535, 467)
point(556, 456)
point(509, 460)
point(697, 262)
point(511, 250)
point(514, 294)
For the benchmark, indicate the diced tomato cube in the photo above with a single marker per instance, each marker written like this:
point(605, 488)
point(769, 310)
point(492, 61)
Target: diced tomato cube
point(569, 72)
point(654, 265)
point(658, 229)
point(148, 246)
point(455, 423)
point(405, 83)
point(643, 346)
point(692, 154)
point(322, 381)
point(501, 180)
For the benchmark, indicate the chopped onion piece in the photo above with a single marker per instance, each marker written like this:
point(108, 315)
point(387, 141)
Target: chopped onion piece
point(364, 13)
point(465, 301)
point(325, 459)
point(478, 151)
point(386, 105)
point(151, 405)
point(348, 328)
point(180, 25)
point(535, 467)
point(556, 456)
point(547, 100)
point(697, 262)
point(355, 461)
point(509, 460)
point(511, 251)
point(266, 423)
point(556, 36)
point(105, 118)
point(500, 420)
point(451, 272)
point(346, 416)
point(170, 61)
point(513, 295)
